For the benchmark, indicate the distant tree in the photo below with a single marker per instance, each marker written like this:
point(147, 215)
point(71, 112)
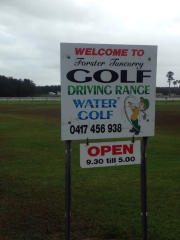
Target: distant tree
point(179, 86)
point(174, 82)
point(29, 87)
point(170, 78)
point(44, 90)
point(11, 87)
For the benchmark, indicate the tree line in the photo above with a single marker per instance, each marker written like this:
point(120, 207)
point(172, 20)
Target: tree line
point(11, 87)
point(165, 90)
point(43, 90)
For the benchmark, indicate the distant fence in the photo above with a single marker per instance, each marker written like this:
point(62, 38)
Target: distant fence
point(168, 99)
point(30, 99)
point(58, 99)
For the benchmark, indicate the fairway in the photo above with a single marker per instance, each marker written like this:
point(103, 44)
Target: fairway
point(106, 202)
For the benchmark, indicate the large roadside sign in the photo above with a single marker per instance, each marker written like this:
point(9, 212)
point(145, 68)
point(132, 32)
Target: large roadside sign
point(107, 91)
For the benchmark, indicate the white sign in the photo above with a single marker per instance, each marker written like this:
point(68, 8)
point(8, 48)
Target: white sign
point(107, 91)
point(109, 154)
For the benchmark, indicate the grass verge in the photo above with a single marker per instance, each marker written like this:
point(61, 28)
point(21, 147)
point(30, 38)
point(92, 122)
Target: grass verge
point(105, 201)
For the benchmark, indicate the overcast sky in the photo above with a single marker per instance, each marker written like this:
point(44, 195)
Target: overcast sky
point(31, 32)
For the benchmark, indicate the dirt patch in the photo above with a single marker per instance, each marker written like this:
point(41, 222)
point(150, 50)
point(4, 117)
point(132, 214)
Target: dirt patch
point(32, 111)
point(45, 113)
point(4, 139)
point(100, 239)
point(168, 122)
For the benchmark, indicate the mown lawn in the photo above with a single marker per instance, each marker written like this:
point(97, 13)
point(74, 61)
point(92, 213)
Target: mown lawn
point(105, 201)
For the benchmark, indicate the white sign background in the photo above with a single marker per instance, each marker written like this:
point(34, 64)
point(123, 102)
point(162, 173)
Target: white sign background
point(87, 161)
point(103, 109)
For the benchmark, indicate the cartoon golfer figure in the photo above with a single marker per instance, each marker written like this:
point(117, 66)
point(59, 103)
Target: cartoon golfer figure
point(143, 105)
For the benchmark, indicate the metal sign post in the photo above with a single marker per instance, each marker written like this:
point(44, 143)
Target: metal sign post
point(109, 91)
point(68, 191)
point(143, 188)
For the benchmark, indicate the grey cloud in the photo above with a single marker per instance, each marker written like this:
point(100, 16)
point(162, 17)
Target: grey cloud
point(63, 10)
point(31, 32)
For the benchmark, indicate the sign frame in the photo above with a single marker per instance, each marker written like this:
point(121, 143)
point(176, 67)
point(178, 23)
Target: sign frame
point(107, 91)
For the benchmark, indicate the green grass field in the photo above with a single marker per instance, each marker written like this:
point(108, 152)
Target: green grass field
point(106, 202)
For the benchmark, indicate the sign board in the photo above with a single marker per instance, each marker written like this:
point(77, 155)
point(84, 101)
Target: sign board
point(107, 91)
point(109, 154)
